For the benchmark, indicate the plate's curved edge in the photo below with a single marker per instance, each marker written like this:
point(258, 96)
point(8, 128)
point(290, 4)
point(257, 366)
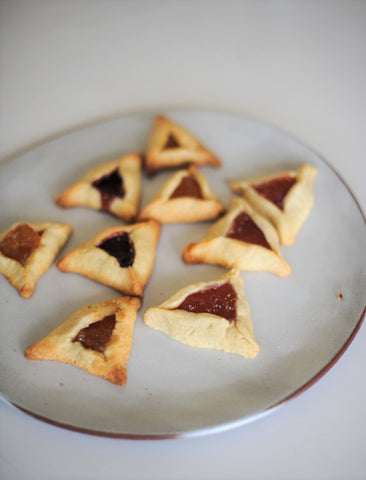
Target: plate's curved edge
point(110, 118)
point(97, 433)
point(142, 436)
point(326, 367)
point(242, 421)
point(69, 131)
point(209, 430)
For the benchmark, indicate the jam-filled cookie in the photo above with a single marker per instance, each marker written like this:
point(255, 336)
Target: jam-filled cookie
point(185, 197)
point(27, 250)
point(242, 238)
point(121, 257)
point(171, 145)
point(96, 338)
point(113, 187)
point(213, 315)
point(285, 199)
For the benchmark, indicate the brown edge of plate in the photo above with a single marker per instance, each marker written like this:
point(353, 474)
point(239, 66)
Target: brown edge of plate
point(171, 436)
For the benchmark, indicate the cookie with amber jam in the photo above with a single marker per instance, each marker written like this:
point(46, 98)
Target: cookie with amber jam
point(27, 250)
point(185, 197)
point(113, 187)
point(242, 238)
point(120, 257)
point(96, 338)
point(172, 146)
point(285, 199)
point(213, 315)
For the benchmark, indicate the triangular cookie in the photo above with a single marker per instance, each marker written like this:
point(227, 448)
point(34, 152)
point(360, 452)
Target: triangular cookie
point(285, 199)
point(121, 257)
point(185, 197)
point(243, 239)
point(113, 187)
point(96, 338)
point(27, 250)
point(171, 145)
point(212, 315)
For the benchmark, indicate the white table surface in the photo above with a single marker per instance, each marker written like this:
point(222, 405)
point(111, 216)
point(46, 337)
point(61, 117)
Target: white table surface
point(296, 64)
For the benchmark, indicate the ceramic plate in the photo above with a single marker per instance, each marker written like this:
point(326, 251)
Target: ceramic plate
point(300, 323)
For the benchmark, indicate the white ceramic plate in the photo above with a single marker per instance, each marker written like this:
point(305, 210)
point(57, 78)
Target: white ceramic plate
point(172, 389)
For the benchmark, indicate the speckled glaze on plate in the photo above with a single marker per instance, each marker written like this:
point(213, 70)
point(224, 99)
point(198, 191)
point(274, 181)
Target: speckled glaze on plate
point(173, 390)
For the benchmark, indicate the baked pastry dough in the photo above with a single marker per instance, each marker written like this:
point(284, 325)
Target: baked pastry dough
point(27, 250)
point(185, 197)
point(212, 315)
point(285, 199)
point(113, 187)
point(121, 257)
point(96, 338)
point(171, 145)
point(243, 239)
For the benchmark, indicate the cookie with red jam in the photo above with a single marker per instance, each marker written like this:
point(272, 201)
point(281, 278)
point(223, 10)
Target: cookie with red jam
point(96, 338)
point(284, 199)
point(113, 187)
point(241, 239)
point(184, 197)
point(27, 250)
point(120, 257)
point(213, 315)
point(171, 145)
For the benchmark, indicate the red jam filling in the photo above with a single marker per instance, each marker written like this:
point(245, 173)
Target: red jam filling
point(275, 190)
point(97, 335)
point(110, 186)
point(121, 247)
point(171, 142)
point(243, 228)
point(218, 300)
point(20, 242)
point(188, 187)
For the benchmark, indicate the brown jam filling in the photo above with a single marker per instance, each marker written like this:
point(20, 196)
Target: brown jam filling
point(217, 299)
point(121, 247)
point(188, 187)
point(275, 190)
point(97, 335)
point(110, 186)
point(171, 143)
point(20, 242)
point(243, 228)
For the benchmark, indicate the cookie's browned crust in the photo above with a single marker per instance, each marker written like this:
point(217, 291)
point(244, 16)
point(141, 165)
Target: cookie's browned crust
point(24, 277)
point(172, 146)
point(62, 344)
point(183, 208)
point(95, 263)
point(124, 204)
